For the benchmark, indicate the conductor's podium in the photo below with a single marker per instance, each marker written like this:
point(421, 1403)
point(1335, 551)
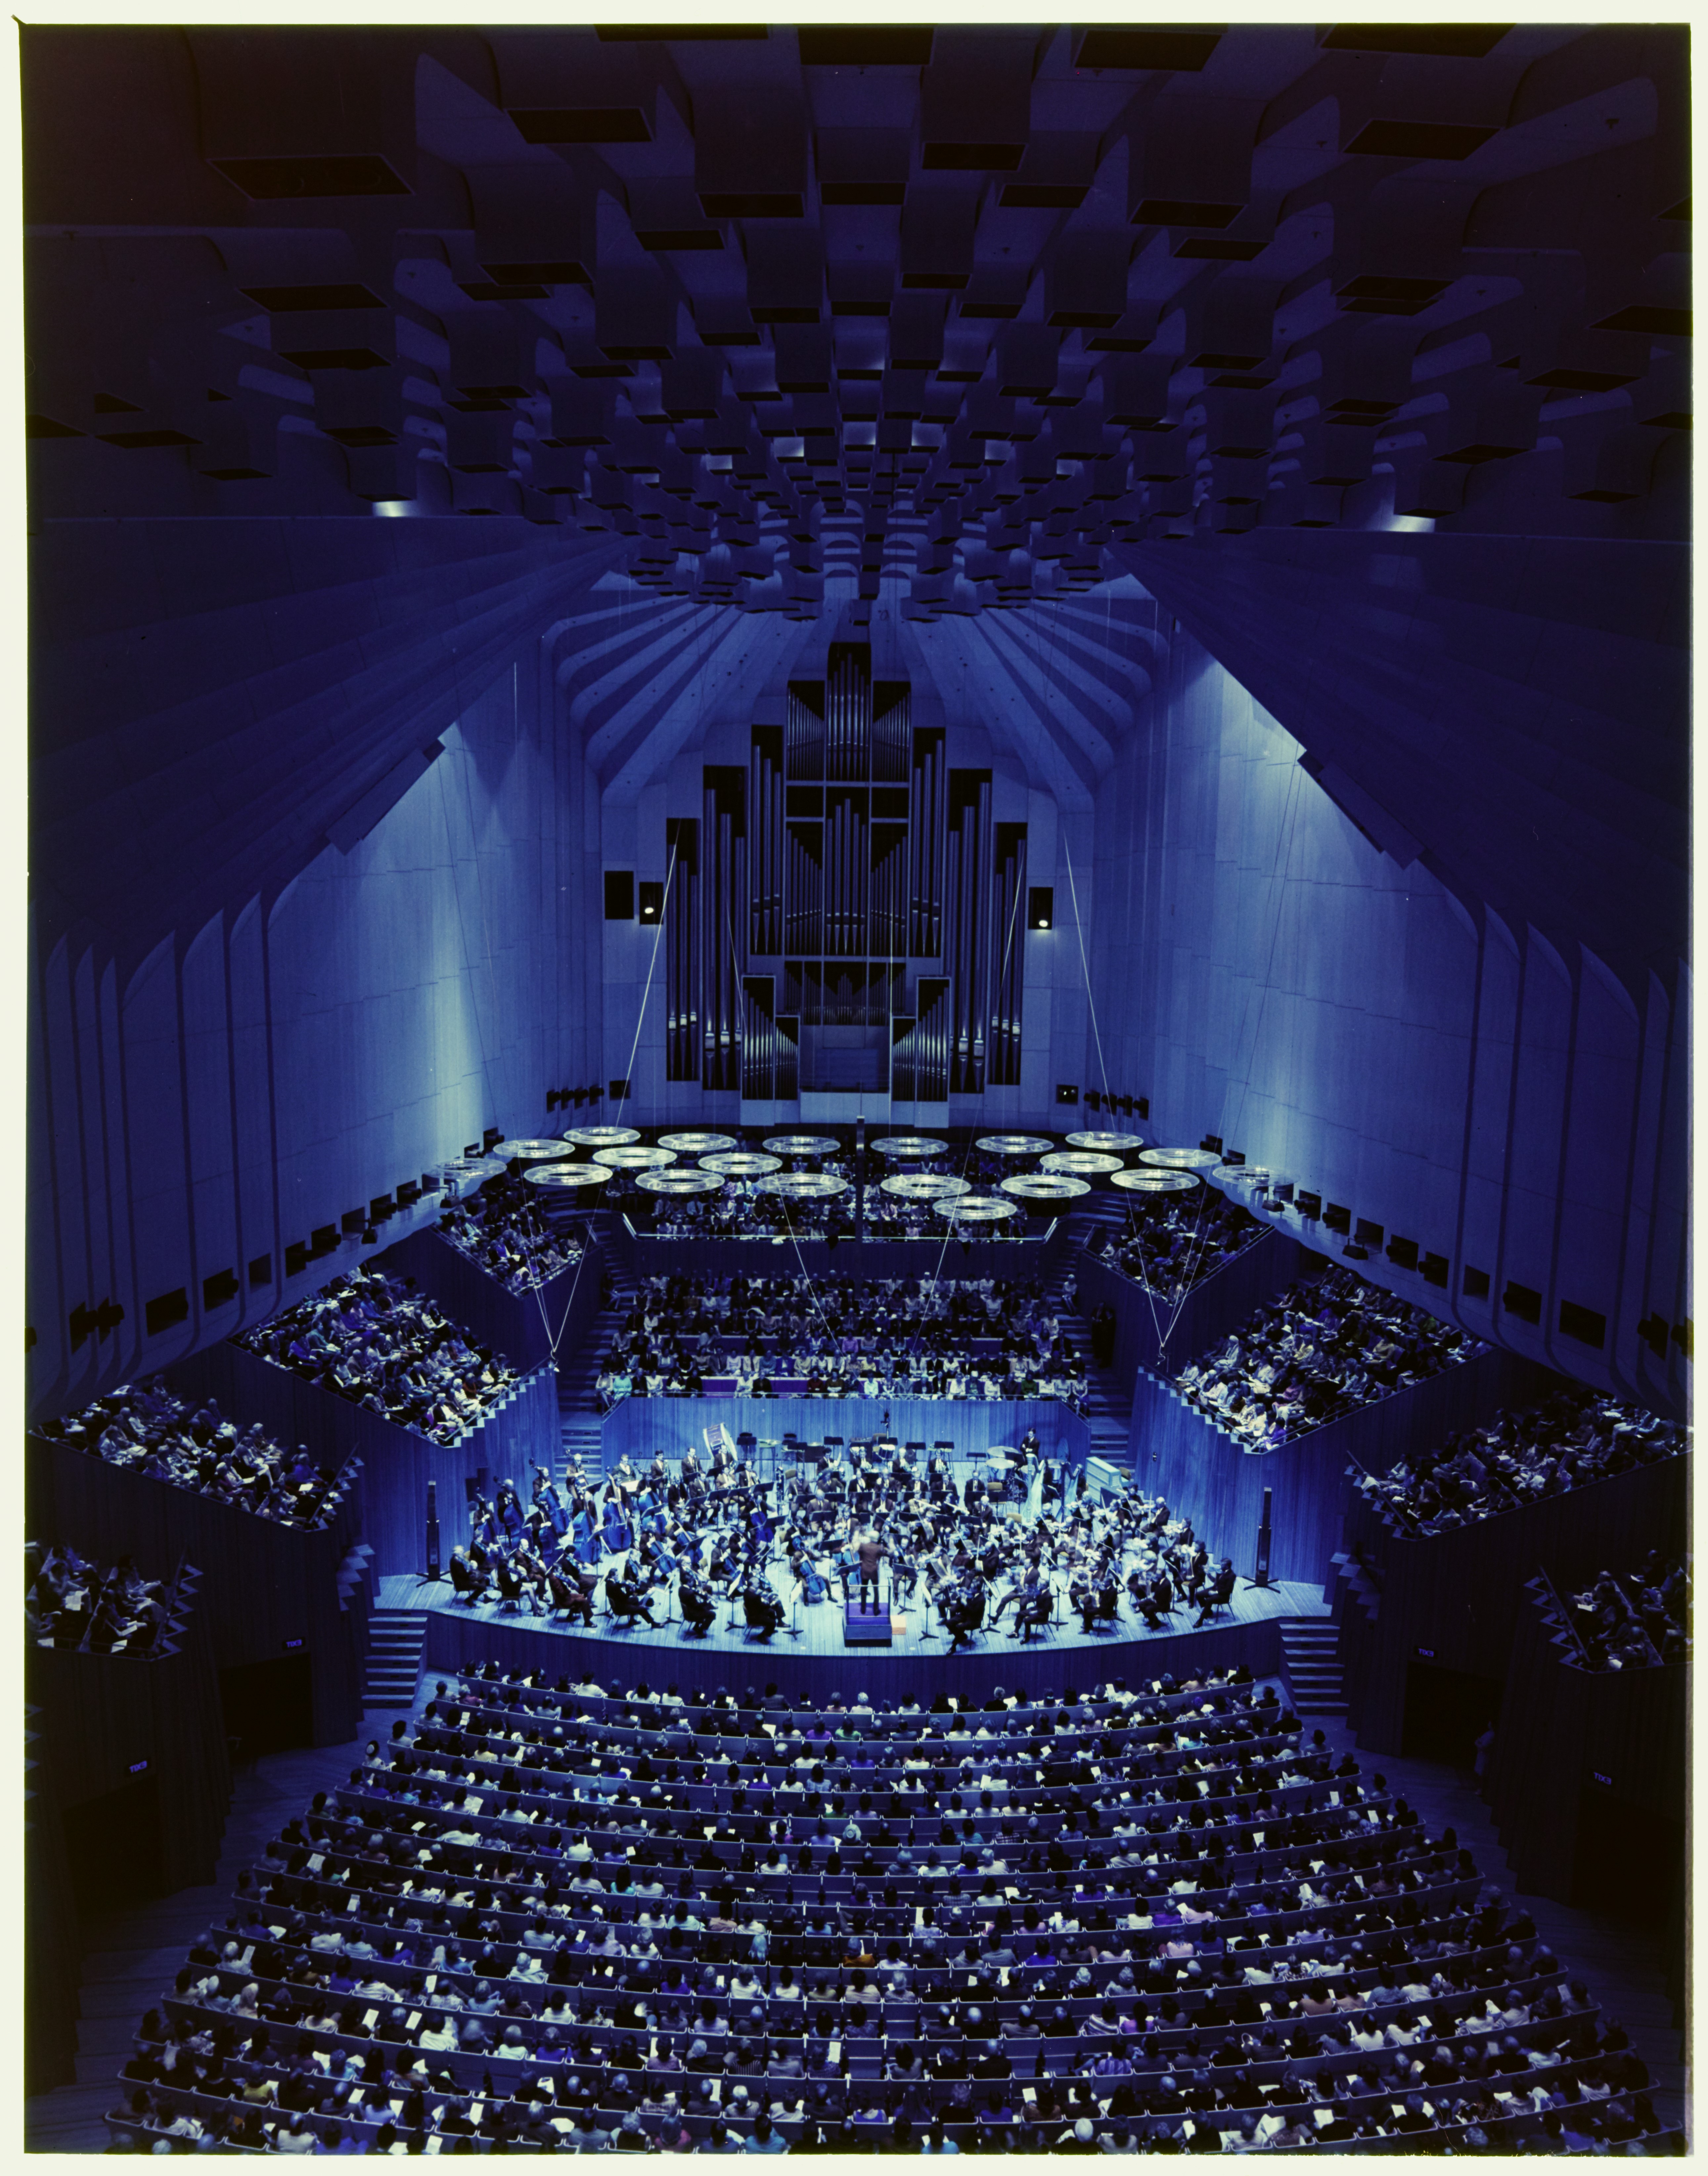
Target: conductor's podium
point(866, 1625)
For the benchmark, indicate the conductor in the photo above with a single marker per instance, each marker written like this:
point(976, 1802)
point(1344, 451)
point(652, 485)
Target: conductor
point(870, 1552)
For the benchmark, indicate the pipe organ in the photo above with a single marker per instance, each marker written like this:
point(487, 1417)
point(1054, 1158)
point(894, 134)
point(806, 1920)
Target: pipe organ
point(844, 911)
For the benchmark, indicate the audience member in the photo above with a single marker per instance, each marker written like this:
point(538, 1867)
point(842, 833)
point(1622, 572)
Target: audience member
point(151, 1429)
point(1574, 1437)
point(502, 1230)
point(1172, 1243)
point(1322, 1347)
point(383, 1345)
point(835, 1337)
point(71, 1603)
point(1166, 1920)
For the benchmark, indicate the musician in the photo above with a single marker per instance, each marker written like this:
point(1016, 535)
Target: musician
point(1219, 1592)
point(1158, 1599)
point(626, 1599)
point(698, 1606)
point(963, 1610)
point(469, 1583)
point(1033, 1605)
point(814, 1587)
point(869, 1553)
point(571, 1586)
point(760, 1606)
point(508, 1509)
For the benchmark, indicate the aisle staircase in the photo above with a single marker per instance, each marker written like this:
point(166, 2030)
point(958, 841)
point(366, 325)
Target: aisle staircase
point(395, 1640)
point(1108, 1407)
point(1311, 1666)
point(578, 1372)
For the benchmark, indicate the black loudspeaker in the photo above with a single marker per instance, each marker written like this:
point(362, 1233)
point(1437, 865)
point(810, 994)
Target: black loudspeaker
point(433, 1530)
point(471, 1489)
point(1262, 1578)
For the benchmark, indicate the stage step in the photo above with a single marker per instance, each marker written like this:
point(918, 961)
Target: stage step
point(1311, 1666)
point(395, 1640)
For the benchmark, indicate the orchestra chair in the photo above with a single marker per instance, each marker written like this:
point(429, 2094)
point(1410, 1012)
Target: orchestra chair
point(568, 1599)
point(621, 1605)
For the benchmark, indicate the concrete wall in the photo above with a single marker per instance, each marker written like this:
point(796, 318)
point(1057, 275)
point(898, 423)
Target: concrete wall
point(1263, 972)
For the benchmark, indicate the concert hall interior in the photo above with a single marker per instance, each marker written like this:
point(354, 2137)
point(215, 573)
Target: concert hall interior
point(858, 1309)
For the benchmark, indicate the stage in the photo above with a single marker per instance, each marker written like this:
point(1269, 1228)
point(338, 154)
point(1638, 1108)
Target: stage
point(916, 1661)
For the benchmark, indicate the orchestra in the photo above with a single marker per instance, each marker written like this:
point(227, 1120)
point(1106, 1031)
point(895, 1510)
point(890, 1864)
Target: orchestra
point(998, 1555)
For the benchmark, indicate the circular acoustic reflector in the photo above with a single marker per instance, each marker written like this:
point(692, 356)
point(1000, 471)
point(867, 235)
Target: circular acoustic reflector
point(1155, 1182)
point(977, 1208)
point(679, 1181)
point(924, 1186)
point(465, 1173)
point(567, 1176)
point(907, 1146)
point(1015, 1145)
point(806, 1144)
point(802, 1185)
point(602, 1137)
point(1080, 1163)
point(741, 1165)
point(1181, 1159)
point(696, 1143)
point(1045, 1186)
point(531, 1152)
point(635, 1159)
point(1109, 1143)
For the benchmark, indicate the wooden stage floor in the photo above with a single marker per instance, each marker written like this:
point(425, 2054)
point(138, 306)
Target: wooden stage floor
point(821, 1627)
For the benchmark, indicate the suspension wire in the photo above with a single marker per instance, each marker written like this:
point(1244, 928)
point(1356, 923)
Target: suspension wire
point(948, 1231)
point(552, 1343)
point(788, 1220)
point(657, 939)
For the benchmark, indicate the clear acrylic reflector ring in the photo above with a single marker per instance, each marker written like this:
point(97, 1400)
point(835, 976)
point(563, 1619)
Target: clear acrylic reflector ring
point(1080, 1163)
point(978, 1209)
point(568, 1177)
point(1156, 1182)
point(802, 1185)
point(465, 1173)
point(907, 1147)
point(1110, 1143)
point(679, 1181)
point(924, 1186)
point(602, 1137)
point(742, 1165)
point(1014, 1144)
point(696, 1143)
point(802, 1145)
point(635, 1159)
point(1045, 1186)
point(531, 1152)
point(1181, 1159)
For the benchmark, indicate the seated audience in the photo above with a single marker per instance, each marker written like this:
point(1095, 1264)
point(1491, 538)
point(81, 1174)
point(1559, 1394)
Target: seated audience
point(71, 1603)
point(1322, 1347)
point(383, 1345)
point(1173, 1243)
point(884, 1337)
point(1574, 1437)
point(501, 1230)
point(1163, 1920)
point(150, 1428)
point(1635, 1622)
